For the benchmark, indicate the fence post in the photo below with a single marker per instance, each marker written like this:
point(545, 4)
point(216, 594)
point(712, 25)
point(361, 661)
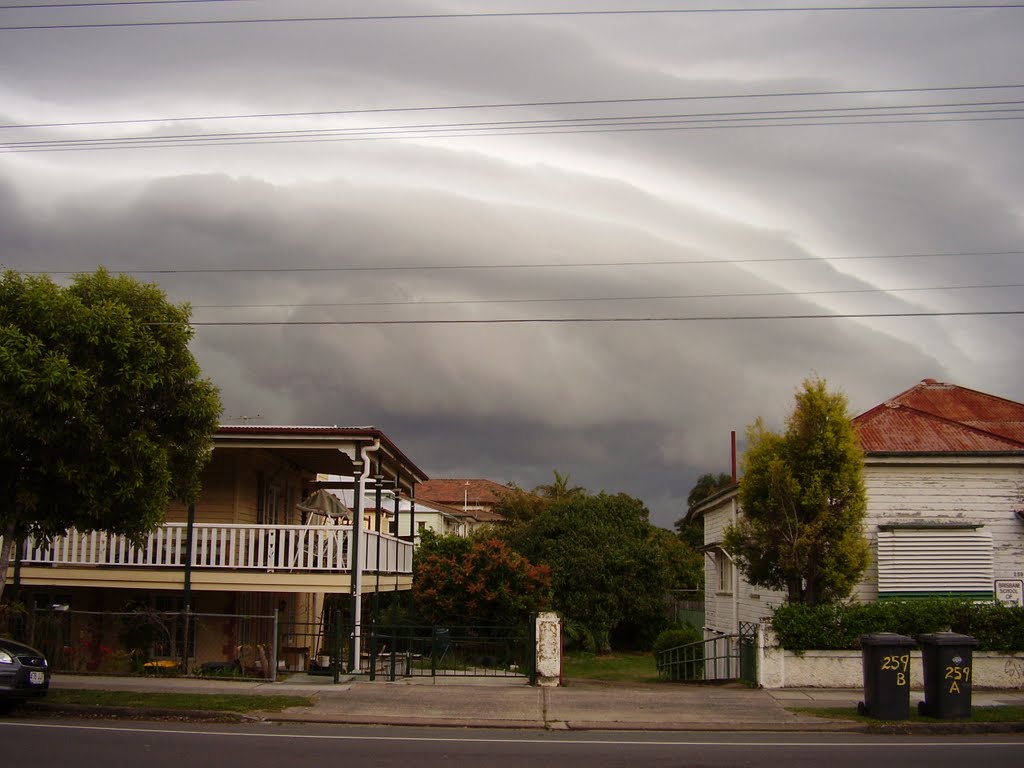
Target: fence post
point(186, 616)
point(531, 639)
point(336, 642)
point(548, 644)
point(273, 648)
point(394, 641)
point(433, 651)
point(373, 651)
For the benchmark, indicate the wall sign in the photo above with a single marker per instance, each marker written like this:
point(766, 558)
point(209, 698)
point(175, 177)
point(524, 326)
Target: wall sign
point(1010, 591)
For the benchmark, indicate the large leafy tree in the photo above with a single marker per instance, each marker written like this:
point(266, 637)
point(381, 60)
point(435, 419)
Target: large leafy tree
point(482, 581)
point(686, 563)
point(517, 506)
point(611, 569)
point(104, 415)
point(803, 502)
point(689, 527)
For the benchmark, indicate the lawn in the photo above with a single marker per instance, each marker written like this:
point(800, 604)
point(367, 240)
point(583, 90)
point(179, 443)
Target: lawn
point(619, 666)
point(210, 702)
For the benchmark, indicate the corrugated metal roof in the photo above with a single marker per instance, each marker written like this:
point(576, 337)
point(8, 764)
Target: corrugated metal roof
point(933, 417)
point(231, 433)
point(295, 428)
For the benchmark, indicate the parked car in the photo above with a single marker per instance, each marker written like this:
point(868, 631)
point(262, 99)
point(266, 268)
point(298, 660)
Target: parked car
point(24, 674)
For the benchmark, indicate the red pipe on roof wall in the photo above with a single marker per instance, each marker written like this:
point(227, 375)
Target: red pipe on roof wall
point(733, 450)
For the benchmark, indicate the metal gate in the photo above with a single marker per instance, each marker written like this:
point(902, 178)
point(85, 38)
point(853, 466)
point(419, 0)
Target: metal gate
point(717, 659)
point(468, 651)
point(748, 652)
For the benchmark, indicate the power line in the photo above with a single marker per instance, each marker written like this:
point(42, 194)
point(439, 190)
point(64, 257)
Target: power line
point(106, 4)
point(157, 143)
point(823, 113)
point(109, 3)
point(533, 265)
point(578, 320)
point(521, 14)
point(595, 299)
point(519, 104)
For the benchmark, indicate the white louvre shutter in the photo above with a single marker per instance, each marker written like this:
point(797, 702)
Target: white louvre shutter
point(934, 561)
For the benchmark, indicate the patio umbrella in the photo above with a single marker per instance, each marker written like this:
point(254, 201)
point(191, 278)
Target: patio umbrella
point(323, 502)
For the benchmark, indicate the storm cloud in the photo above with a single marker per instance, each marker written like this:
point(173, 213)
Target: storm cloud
point(359, 282)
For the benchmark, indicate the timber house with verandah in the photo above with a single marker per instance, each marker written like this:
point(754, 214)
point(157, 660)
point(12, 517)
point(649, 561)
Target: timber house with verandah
point(247, 547)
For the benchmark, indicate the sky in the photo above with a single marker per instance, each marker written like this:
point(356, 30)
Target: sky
point(520, 242)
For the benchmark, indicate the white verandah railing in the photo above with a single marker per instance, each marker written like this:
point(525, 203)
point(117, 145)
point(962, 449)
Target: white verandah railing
point(254, 547)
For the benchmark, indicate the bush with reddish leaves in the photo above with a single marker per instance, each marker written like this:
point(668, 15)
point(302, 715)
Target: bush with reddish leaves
point(477, 581)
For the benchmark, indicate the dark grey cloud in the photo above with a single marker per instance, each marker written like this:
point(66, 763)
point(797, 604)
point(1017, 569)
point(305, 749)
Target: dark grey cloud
point(641, 407)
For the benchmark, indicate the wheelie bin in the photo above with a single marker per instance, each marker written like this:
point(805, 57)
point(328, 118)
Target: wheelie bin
point(886, 659)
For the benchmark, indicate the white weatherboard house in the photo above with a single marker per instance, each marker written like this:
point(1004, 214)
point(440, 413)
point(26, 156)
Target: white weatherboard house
point(944, 473)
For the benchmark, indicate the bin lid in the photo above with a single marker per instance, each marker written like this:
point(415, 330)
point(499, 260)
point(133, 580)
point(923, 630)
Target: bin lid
point(948, 638)
point(887, 638)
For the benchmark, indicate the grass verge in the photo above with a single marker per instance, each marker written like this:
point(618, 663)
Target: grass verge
point(210, 702)
point(620, 667)
point(1009, 714)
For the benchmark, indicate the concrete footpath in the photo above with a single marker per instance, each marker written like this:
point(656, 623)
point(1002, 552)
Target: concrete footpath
point(510, 703)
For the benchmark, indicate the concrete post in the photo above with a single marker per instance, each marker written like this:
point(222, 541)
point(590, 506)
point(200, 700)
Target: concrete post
point(549, 649)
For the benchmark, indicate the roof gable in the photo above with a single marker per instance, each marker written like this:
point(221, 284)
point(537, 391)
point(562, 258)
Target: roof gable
point(933, 417)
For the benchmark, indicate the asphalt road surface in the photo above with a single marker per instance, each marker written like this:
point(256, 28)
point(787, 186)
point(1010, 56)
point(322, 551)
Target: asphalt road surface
point(29, 743)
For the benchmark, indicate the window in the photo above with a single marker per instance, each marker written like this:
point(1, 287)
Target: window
point(937, 560)
point(723, 565)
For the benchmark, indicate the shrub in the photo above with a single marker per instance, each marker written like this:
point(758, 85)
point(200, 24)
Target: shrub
point(837, 627)
point(673, 637)
point(685, 664)
point(578, 636)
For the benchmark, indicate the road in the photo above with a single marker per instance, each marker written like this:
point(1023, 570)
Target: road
point(51, 743)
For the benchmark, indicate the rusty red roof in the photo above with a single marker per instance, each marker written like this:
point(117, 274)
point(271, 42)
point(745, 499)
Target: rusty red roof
point(933, 417)
point(460, 492)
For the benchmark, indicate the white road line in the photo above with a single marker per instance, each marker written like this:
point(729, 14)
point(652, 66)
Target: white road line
point(554, 740)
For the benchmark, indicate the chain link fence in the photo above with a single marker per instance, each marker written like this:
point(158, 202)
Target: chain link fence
point(144, 641)
point(150, 642)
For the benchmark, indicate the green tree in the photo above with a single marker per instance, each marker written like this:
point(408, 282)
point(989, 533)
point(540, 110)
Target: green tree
point(803, 502)
point(104, 415)
point(610, 567)
point(517, 506)
point(686, 563)
point(559, 489)
point(478, 580)
point(689, 527)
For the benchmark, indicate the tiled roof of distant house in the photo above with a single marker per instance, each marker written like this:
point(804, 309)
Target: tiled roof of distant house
point(933, 417)
point(461, 493)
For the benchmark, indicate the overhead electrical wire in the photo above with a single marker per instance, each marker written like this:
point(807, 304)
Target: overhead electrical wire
point(532, 265)
point(520, 14)
point(634, 127)
point(518, 104)
point(602, 299)
point(486, 128)
point(110, 3)
point(578, 320)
